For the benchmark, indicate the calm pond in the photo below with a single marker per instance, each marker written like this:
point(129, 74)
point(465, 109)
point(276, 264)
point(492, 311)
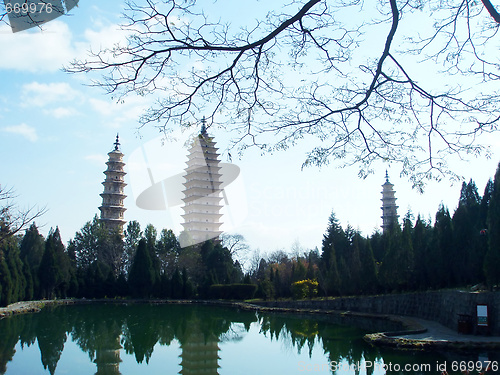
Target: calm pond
point(197, 339)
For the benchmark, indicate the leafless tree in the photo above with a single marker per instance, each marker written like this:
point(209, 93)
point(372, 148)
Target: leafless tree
point(237, 246)
point(408, 82)
point(12, 218)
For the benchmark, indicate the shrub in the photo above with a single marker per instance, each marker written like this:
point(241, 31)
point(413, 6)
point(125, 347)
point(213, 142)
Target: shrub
point(304, 289)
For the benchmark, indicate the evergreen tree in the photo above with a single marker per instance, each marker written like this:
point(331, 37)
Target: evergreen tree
point(32, 247)
point(29, 293)
point(422, 236)
point(492, 258)
point(467, 261)
point(122, 285)
point(95, 280)
point(176, 284)
point(299, 270)
point(217, 261)
point(6, 284)
point(62, 263)
point(349, 264)
point(397, 268)
point(311, 271)
point(377, 244)
point(334, 236)
point(440, 271)
point(133, 234)
point(367, 277)
point(16, 271)
point(187, 285)
point(141, 276)
point(485, 202)
point(150, 235)
point(49, 272)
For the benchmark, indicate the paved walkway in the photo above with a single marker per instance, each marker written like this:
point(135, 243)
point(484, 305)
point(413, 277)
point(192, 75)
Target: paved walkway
point(429, 335)
point(438, 332)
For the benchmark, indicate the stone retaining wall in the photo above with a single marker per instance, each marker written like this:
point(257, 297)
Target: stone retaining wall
point(440, 306)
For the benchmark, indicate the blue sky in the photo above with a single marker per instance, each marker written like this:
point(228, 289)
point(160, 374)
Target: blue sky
point(55, 133)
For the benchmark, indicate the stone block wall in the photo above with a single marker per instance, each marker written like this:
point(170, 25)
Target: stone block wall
point(441, 306)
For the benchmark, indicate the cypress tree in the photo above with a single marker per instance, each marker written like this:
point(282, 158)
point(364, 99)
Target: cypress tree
point(440, 271)
point(422, 234)
point(368, 282)
point(48, 272)
point(330, 279)
point(492, 258)
point(5, 282)
point(467, 260)
point(141, 276)
point(16, 271)
point(30, 288)
point(176, 284)
point(32, 247)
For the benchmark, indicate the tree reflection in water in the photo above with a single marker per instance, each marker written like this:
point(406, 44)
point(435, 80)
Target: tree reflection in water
point(104, 331)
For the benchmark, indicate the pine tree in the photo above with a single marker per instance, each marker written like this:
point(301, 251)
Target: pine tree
point(32, 247)
point(133, 234)
point(492, 258)
point(368, 282)
point(422, 236)
point(48, 272)
point(62, 263)
point(141, 276)
point(440, 271)
point(150, 234)
point(30, 287)
point(334, 236)
point(16, 272)
point(6, 283)
point(176, 284)
point(468, 259)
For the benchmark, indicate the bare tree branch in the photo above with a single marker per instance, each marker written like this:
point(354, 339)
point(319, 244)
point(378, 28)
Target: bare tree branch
point(308, 72)
point(12, 218)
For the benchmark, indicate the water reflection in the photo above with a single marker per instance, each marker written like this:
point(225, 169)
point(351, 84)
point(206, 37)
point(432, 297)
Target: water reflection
point(106, 331)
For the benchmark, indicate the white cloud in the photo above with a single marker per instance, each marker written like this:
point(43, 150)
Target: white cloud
point(106, 37)
point(25, 130)
point(121, 113)
point(35, 50)
point(61, 112)
point(53, 47)
point(42, 94)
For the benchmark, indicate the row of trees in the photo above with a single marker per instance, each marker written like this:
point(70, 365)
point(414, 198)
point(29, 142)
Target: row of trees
point(457, 250)
point(99, 263)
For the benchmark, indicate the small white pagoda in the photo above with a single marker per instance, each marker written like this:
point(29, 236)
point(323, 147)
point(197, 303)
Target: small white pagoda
point(112, 208)
point(389, 209)
point(202, 191)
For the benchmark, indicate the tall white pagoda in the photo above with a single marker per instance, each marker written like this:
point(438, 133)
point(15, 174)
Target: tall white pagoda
point(112, 208)
point(202, 191)
point(389, 209)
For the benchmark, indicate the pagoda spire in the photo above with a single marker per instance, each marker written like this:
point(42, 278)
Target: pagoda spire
point(112, 207)
point(389, 209)
point(203, 126)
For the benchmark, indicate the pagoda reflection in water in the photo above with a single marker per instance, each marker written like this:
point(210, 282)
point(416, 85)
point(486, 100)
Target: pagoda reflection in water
point(200, 353)
point(107, 356)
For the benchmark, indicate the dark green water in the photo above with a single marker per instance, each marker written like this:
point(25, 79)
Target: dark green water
point(196, 339)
